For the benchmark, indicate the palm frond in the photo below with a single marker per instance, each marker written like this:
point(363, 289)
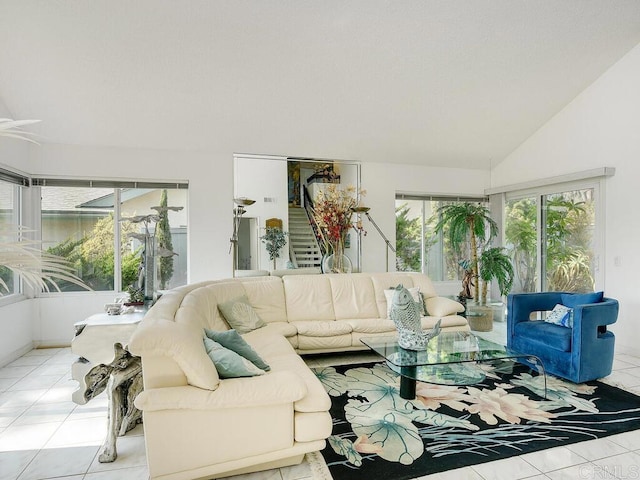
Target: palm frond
point(11, 128)
point(24, 257)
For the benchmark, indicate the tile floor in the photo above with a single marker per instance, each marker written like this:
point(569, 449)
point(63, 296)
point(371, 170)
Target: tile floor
point(44, 435)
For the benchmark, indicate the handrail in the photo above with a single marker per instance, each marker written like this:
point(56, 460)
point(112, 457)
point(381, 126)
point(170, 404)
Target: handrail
point(308, 207)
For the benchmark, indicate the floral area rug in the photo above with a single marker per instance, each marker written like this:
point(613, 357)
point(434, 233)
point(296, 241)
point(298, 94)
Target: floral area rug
point(378, 434)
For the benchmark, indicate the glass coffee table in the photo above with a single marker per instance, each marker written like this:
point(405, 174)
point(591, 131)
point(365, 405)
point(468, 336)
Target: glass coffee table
point(451, 358)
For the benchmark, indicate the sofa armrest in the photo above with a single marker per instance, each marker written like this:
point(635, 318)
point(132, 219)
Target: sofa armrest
point(271, 389)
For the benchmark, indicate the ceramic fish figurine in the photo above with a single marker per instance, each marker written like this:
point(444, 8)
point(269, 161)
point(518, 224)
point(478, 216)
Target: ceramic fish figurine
point(405, 313)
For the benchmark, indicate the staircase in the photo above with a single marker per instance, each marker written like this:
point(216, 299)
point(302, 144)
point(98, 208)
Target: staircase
point(304, 248)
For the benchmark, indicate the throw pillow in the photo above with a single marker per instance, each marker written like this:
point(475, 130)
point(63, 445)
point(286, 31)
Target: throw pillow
point(572, 300)
point(240, 315)
point(561, 315)
point(233, 341)
point(415, 294)
point(443, 307)
point(228, 363)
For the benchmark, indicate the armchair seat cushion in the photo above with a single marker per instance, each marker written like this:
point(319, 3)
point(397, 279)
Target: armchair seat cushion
point(548, 335)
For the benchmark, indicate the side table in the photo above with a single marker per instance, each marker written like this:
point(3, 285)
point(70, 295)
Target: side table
point(104, 363)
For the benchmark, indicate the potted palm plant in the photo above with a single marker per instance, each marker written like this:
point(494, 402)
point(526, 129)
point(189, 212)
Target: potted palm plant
point(470, 229)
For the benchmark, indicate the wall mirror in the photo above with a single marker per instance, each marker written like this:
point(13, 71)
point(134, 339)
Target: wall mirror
point(281, 189)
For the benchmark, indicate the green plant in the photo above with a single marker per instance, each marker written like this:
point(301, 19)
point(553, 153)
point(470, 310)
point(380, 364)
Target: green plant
point(163, 238)
point(495, 264)
point(408, 244)
point(467, 225)
point(136, 295)
point(274, 239)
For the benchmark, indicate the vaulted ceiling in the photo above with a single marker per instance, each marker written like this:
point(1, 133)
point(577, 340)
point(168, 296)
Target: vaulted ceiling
point(456, 83)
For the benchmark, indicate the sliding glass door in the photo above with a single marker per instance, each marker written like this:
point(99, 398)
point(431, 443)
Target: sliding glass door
point(554, 238)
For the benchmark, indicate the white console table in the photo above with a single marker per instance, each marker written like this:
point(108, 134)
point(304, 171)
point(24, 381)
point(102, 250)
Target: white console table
point(104, 363)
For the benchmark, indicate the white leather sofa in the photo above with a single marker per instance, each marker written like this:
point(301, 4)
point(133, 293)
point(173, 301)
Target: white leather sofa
point(200, 426)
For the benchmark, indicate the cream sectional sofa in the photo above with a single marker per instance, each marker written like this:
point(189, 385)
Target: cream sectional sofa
point(198, 425)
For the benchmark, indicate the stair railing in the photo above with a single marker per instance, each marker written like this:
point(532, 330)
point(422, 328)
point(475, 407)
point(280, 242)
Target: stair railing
point(308, 207)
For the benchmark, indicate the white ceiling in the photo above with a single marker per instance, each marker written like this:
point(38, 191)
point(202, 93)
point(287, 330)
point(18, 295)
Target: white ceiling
point(446, 83)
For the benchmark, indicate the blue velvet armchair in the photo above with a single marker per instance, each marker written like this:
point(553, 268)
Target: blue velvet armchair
point(581, 353)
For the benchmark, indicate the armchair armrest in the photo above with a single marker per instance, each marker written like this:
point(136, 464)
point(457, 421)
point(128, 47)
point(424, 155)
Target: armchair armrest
point(590, 320)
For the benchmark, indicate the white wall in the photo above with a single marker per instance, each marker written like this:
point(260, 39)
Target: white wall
point(257, 179)
point(601, 127)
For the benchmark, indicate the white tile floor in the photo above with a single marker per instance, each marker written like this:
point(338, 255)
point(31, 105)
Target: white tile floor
point(44, 435)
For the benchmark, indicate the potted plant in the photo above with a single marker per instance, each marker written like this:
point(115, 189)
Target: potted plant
point(136, 296)
point(274, 239)
point(495, 265)
point(469, 226)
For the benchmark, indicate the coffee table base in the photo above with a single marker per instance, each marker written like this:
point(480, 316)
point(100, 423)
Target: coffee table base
point(410, 375)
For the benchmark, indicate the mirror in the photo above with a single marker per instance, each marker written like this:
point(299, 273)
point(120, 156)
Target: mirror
point(283, 188)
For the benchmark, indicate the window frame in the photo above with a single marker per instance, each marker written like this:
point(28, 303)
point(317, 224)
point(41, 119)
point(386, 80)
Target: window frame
point(117, 186)
point(598, 184)
point(15, 182)
point(453, 284)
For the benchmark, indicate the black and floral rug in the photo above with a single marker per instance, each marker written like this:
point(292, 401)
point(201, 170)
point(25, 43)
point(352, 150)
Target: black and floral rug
point(378, 434)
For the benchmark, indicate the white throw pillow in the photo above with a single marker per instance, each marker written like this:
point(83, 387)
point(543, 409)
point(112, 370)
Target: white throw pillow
point(561, 315)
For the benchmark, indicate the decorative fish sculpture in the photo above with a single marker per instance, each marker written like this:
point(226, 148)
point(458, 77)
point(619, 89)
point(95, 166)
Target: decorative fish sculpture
point(405, 313)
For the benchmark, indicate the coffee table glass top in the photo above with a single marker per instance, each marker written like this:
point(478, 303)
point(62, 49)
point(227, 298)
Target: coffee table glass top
point(451, 358)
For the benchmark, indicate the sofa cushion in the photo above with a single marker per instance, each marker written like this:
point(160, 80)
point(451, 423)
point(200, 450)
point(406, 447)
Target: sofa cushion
point(322, 329)
point(228, 363)
point(267, 299)
point(240, 315)
point(441, 306)
point(268, 343)
point(233, 341)
point(320, 344)
point(353, 296)
point(372, 325)
point(386, 281)
point(546, 334)
point(308, 297)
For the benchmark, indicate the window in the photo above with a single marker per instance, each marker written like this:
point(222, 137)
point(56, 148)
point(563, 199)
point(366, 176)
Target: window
point(9, 219)
point(101, 231)
point(553, 238)
point(418, 248)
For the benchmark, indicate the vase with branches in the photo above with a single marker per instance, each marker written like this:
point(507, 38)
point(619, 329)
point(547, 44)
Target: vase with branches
point(333, 208)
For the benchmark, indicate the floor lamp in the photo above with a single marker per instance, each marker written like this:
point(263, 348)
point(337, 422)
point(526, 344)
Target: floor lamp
point(237, 216)
point(365, 210)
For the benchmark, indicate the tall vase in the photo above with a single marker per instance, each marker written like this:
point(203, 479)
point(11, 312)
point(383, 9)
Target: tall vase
point(336, 262)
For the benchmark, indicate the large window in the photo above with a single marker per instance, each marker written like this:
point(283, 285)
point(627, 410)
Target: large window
point(418, 248)
point(553, 238)
point(9, 215)
point(101, 231)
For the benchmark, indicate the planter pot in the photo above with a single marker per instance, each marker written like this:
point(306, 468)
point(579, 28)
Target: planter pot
point(480, 317)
